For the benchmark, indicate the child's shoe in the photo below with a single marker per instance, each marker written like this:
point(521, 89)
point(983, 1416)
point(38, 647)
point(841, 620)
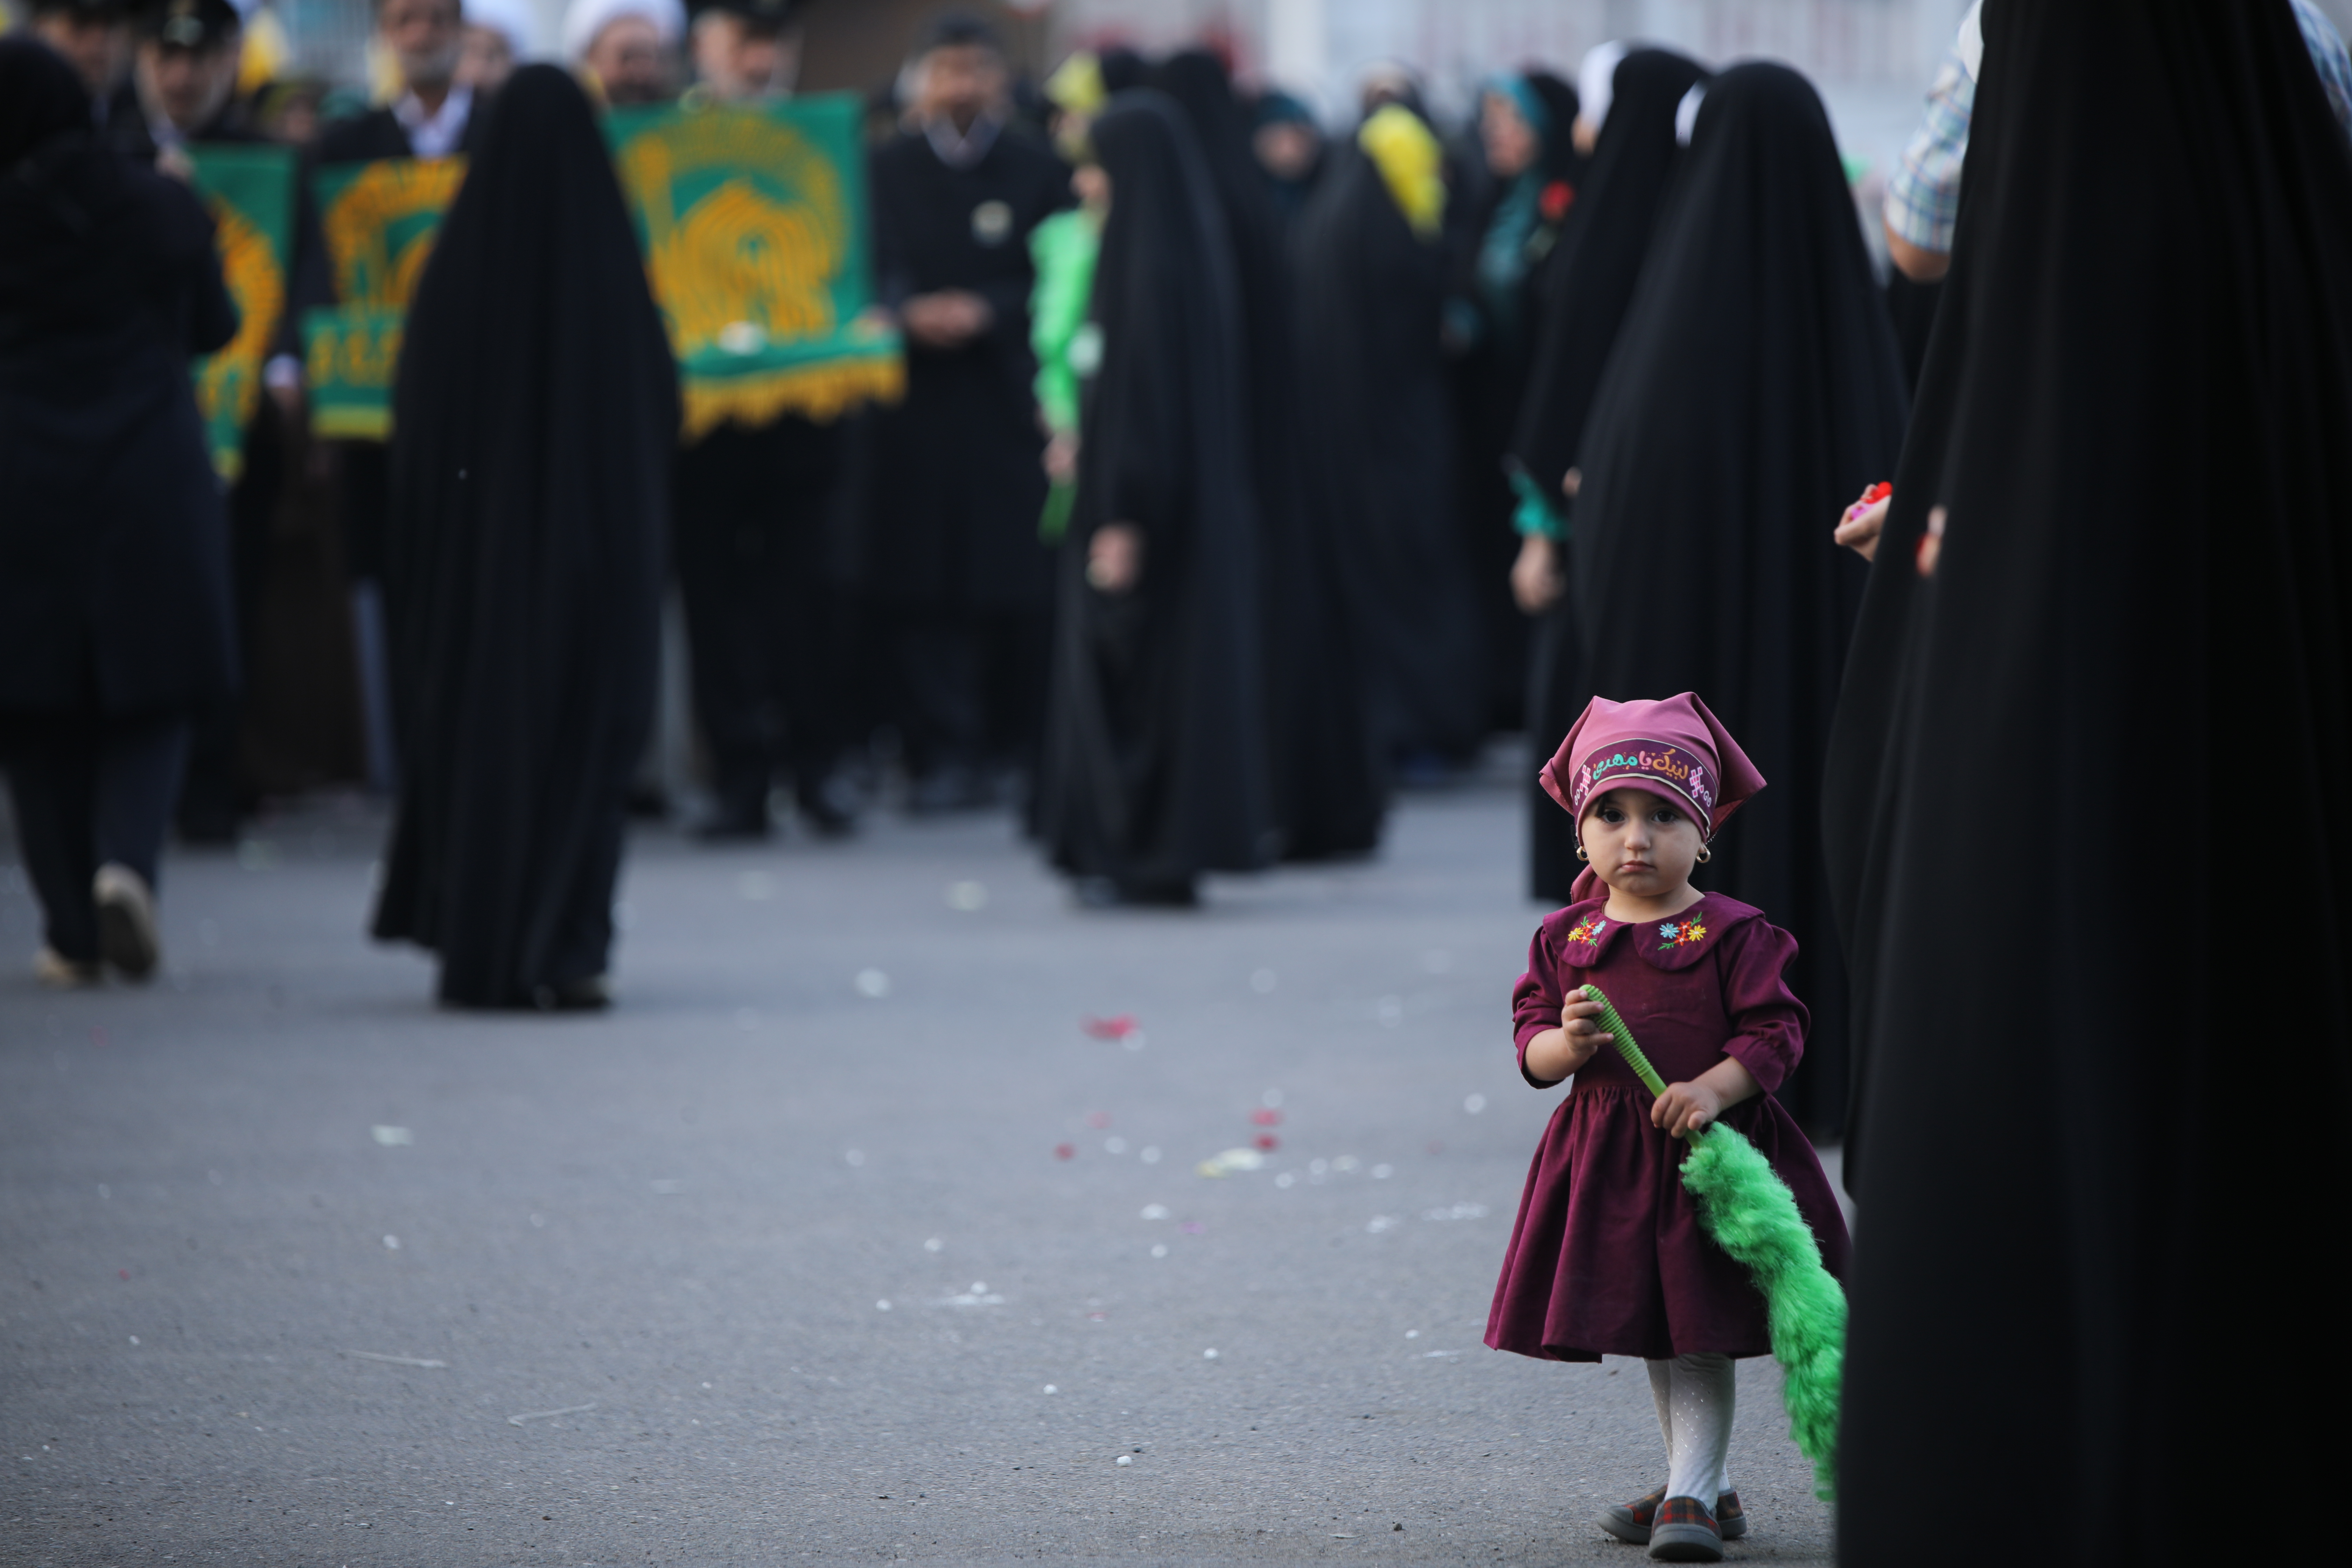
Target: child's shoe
point(1683, 1530)
point(1630, 1521)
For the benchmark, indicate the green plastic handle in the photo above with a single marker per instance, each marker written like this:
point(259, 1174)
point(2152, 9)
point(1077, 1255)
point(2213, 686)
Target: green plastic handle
point(1622, 1038)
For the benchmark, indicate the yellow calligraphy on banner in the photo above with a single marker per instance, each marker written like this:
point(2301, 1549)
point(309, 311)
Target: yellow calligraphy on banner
point(228, 387)
point(380, 226)
point(727, 250)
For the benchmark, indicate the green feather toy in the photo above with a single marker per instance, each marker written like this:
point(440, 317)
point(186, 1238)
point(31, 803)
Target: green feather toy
point(1749, 1212)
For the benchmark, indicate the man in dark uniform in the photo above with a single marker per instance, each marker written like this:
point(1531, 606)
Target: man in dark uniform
point(182, 90)
point(94, 35)
point(952, 556)
point(749, 520)
point(433, 117)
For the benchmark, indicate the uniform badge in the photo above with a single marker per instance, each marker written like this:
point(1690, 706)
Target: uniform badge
point(991, 223)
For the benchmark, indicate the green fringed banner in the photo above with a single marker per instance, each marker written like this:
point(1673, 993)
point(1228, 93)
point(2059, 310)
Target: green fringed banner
point(249, 191)
point(379, 220)
point(753, 220)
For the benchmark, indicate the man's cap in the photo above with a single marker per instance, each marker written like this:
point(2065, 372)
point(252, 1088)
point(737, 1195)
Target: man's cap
point(88, 10)
point(768, 16)
point(191, 24)
point(958, 30)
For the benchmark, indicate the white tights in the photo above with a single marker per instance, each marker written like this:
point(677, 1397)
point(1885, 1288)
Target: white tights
point(1694, 1394)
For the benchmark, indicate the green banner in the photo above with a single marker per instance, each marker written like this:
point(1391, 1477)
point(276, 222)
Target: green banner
point(379, 220)
point(249, 191)
point(753, 220)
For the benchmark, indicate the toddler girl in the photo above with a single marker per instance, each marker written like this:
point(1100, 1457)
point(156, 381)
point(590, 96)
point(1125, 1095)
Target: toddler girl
point(1608, 1256)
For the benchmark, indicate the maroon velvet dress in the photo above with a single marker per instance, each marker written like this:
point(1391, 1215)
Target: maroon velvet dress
point(1608, 1256)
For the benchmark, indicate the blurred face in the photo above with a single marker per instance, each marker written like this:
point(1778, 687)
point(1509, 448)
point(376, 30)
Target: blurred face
point(98, 47)
point(484, 59)
point(424, 37)
point(187, 87)
point(1510, 140)
point(1286, 149)
point(630, 62)
point(1092, 185)
point(960, 83)
point(737, 61)
point(1640, 843)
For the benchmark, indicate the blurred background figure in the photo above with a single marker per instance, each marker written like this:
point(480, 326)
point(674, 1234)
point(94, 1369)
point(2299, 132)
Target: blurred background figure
point(1288, 145)
point(1528, 172)
point(534, 419)
point(1378, 434)
point(627, 49)
point(1157, 766)
point(94, 35)
point(115, 615)
point(496, 38)
point(952, 559)
point(764, 616)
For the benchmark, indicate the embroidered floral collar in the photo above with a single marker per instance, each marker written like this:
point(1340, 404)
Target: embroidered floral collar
point(1585, 932)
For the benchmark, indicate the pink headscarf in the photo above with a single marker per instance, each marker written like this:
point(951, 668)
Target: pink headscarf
point(1674, 749)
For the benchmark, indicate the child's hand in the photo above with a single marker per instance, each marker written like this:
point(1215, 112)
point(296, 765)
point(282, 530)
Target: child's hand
point(1685, 1109)
point(1556, 1053)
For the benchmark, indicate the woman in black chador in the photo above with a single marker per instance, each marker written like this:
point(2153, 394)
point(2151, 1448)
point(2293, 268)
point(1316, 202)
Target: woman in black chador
point(533, 421)
point(1155, 764)
point(1369, 267)
point(1753, 391)
point(1587, 285)
point(2088, 816)
point(1326, 791)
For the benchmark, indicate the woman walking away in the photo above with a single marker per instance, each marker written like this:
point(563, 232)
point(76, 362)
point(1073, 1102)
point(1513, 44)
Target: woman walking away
point(114, 590)
point(536, 412)
point(1155, 761)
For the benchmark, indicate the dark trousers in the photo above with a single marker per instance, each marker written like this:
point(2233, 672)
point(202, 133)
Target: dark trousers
point(971, 685)
point(91, 790)
point(764, 623)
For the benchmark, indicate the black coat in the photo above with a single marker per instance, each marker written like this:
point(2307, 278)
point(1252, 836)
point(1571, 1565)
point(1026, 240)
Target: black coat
point(1378, 436)
point(957, 483)
point(113, 543)
point(1156, 758)
point(535, 414)
point(2090, 788)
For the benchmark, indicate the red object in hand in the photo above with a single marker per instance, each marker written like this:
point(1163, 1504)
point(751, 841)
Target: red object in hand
point(1877, 493)
point(1557, 198)
point(1267, 1142)
point(1114, 1028)
point(1065, 1151)
point(1266, 1117)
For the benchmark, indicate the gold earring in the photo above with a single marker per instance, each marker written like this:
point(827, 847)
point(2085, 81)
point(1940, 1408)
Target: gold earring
point(1580, 853)
point(1705, 855)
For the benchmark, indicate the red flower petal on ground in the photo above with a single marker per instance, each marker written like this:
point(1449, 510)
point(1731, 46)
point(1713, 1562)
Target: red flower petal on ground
point(1112, 1029)
point(1266, 1117)
point(1098, 1118)
point(1065, 1151)
point(1267, 1142)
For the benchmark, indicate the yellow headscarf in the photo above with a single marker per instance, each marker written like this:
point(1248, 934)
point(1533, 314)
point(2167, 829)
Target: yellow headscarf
point(1406, 153)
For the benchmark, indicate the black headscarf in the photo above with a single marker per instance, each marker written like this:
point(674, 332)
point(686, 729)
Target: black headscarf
point(2090, 798)
point(533, 421)
point(1753, 391)
point(1156, 766)
point(1325, 790)
point(1586, 288)
point(1561, 160)
point(41, 97)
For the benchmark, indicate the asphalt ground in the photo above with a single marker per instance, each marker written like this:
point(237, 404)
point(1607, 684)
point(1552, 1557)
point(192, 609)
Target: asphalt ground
point(842, 1238)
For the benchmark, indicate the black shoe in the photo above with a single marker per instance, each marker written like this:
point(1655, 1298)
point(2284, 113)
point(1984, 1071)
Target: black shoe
point(1137, 892)
point(829, 806)
point(588, 995)
point(954, 787)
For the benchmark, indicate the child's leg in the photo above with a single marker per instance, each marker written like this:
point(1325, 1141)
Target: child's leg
point(1695, 1411)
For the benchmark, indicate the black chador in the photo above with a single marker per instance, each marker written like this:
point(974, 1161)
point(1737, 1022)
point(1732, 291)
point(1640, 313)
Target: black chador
point(534, 423)
point(1587, 288)
point(1155, 761)
point(1377, 433)
point(1327, 794)
point(1753, 391)
point(2092, 754)
point(950, 557)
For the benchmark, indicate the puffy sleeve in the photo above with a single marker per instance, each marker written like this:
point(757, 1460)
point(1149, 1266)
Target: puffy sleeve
point(1536, 1000)
point(1768, 1021)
